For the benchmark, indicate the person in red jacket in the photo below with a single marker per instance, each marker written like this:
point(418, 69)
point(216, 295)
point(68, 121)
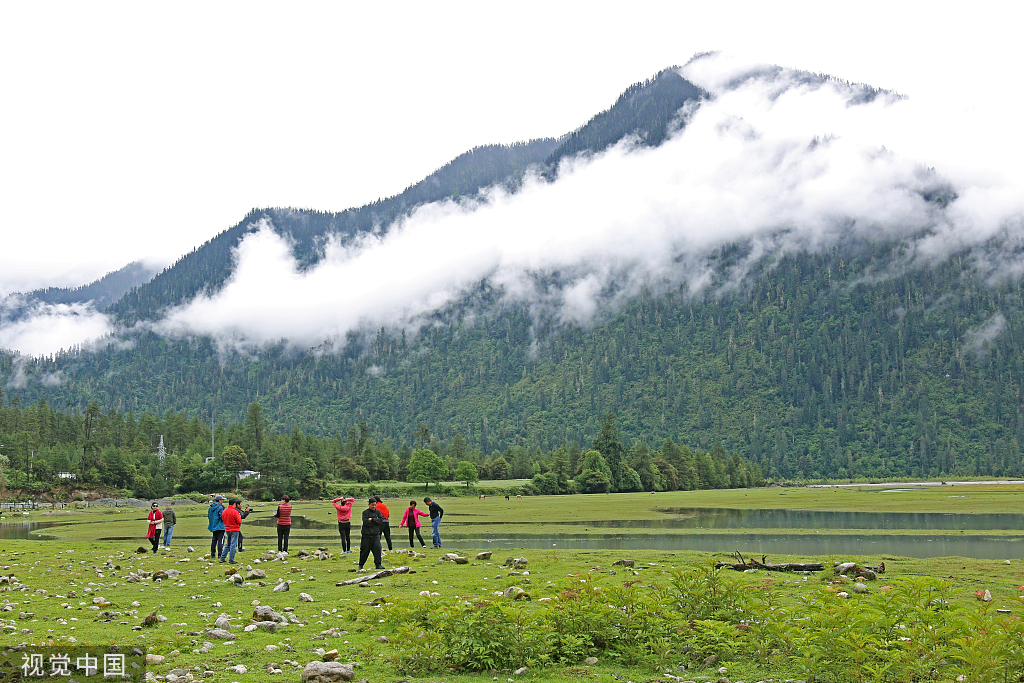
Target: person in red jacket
point(411, 518)
point(344, 509)
point(232, 526)
point(156, 525)
point(284, 523)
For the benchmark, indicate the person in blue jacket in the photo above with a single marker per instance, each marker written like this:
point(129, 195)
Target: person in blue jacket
point(216, 525)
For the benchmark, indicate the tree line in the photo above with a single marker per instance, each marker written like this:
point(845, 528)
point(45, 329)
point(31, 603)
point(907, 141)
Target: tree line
point(43, 447)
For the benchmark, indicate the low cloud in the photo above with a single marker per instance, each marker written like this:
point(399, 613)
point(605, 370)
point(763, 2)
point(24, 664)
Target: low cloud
point(37, 329)
point(976, 341)
point(778, 161)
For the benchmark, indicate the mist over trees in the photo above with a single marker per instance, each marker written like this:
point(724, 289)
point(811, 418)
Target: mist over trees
point(847, 363)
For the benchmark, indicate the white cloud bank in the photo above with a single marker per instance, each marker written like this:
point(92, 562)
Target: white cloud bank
point(38, 329)
point(774, 161)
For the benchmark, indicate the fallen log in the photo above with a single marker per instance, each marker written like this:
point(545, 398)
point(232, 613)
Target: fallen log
point(765, 565)
point(853, 568)
point(376, 575)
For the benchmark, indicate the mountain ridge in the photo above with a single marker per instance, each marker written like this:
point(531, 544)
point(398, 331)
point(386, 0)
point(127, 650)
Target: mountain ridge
point(848, 361)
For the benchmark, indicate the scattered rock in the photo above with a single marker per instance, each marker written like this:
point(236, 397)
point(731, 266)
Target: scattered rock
point(256, 574)
point(267, 613)
point(282, 587)
point(238, 669)
point(860, 587)
point(222, 622)
point(520, 671)
point(326, 672)
point(516, 593)
point(330, 655)
point(269, 626)
point(141, 551)
point(484, 555)
point(155, 659)
point(624, 563)
point(516, 562)
point(305, 597)
point(221, 634)
point(590, 661)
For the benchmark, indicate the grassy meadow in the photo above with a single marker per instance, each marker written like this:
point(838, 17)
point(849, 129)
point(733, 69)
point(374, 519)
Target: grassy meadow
point(669, 614)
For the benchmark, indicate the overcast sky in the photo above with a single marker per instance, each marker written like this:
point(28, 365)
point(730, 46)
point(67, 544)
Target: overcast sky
point(140, 130)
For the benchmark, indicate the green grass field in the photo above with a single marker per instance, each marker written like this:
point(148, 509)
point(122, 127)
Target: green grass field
point(78, 563)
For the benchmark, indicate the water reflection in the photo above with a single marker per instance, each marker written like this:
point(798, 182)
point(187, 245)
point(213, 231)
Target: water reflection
point(717, 518)
point(23, 530)
point(804, 545)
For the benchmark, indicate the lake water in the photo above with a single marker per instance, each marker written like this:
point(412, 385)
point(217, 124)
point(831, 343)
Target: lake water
point(460, 531)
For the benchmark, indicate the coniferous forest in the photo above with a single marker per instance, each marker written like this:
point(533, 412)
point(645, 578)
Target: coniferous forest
point(847, 363)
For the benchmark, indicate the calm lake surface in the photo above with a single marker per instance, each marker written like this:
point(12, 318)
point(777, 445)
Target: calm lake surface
point(461, 531)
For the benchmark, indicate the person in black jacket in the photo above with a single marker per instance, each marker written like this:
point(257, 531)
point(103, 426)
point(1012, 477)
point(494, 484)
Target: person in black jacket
point(369, 537)
point(436, 513)
point(244, 513)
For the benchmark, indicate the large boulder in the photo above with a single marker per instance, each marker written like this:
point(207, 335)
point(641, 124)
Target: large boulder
point(266, 613)
point(220, 634)
point(326, 672)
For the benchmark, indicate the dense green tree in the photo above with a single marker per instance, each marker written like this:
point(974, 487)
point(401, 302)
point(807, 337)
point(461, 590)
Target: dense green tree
point(427, 466)
point(466, 471)
point(609, 445)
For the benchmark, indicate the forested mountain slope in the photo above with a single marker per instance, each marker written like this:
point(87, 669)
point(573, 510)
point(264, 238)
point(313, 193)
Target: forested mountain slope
point(810, 371)
point(853, 361)
point(102, 292)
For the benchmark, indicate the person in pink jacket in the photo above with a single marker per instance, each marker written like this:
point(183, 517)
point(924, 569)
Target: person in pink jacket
point(344, 508)
point(411, 518)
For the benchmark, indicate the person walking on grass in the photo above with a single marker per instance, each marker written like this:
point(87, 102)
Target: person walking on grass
point(411, 518)
point(385, 528)
point(369, 536)
point(344, 509)
point(156, 525)
point(284, 523)
point(170, 519)
point(436, 513)
point(216, 525)
point(233, 526)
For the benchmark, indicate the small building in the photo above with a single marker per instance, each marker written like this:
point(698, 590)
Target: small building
point(246, 474)
point(67, 475)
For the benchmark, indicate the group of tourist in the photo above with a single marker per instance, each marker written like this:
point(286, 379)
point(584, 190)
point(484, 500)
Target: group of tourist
point(376, 524)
